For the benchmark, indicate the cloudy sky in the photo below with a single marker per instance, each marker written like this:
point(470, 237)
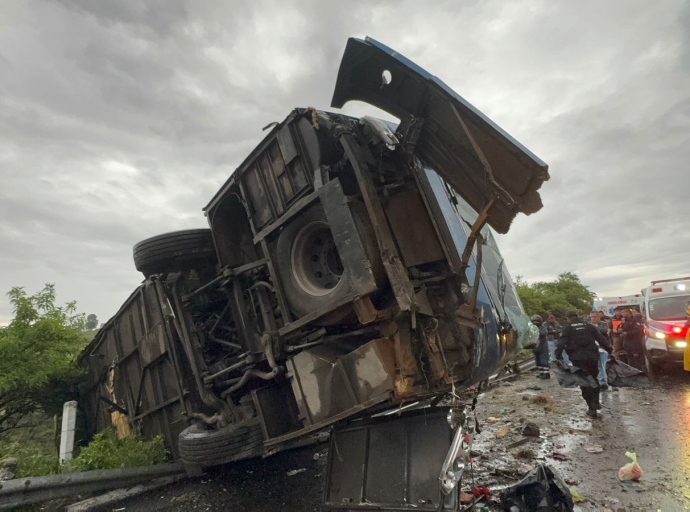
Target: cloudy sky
point(119, 120)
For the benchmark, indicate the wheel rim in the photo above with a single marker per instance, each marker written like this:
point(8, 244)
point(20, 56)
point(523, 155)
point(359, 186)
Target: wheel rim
point(315, 261)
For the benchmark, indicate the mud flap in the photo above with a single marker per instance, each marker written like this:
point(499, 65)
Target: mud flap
point(391, 463)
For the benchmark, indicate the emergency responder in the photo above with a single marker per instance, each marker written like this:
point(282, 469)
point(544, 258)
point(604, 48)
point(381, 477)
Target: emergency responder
point(579, 340)
point(595, 319)
point(553, 330)
point(632, 334)
point(541, 351)
point(616, 323)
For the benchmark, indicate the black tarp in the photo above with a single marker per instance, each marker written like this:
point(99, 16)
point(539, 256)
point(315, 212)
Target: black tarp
point(622, 375)
point(572, 376)
point(540, 490)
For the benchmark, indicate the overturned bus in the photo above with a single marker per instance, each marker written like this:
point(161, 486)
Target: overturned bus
point(349, 269)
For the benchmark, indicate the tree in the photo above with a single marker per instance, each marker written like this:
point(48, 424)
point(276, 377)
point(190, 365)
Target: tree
point(38, 352)
point(91, 322)
point(555, 297)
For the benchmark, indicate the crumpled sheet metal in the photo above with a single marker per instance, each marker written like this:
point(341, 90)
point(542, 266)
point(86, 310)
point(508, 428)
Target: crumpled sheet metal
point(542, 489)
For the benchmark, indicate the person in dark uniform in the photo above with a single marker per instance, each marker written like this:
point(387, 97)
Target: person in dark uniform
point(632, 333)
point(541, 351)
point(579, 340)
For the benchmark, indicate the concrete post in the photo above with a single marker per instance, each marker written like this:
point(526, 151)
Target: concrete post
point(69, 422)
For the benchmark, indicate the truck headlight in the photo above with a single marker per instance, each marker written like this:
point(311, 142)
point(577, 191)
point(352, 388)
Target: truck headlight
point(680, 344)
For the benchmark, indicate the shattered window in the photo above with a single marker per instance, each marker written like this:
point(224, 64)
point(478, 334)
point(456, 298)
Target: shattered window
point(495, 275)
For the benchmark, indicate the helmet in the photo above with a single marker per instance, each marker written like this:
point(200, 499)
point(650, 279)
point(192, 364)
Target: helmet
point(536, 318)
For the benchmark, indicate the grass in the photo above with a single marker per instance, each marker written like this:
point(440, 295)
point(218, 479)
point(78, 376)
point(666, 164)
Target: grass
point(35, 449)
point(31, 460)
point(33, 445)
point(106, 451)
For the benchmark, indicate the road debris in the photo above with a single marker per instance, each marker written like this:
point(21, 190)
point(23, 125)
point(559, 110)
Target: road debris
point(559, 456)
point(480, 491)
point(593, 448)
point(189, 496)
point(466, 498)
point(501, 432)
point(577, 497)
point(541, 489)
point(492, 419)
point(517, 443)
point(293, 472)
point(525, 453)
point(525, 468)
point(632, 470)
point(571, 481)
point(531, 429)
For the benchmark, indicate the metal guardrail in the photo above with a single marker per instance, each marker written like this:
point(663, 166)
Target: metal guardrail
point(26, 491)
point(524, 366)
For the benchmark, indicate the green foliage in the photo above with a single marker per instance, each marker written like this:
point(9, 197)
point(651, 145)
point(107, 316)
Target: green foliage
point(38, 352)
point(555, 297)
point(32, 460)
point(106, 451)
point(91, 322)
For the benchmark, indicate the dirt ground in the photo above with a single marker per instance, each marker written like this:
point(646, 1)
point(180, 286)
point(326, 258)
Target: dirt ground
point(652, 422)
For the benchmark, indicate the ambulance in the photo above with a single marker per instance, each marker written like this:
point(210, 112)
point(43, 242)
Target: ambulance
point(612, 305)
point(665, 309)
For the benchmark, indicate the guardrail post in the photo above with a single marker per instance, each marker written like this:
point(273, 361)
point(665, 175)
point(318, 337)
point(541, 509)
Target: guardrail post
point(69, 421)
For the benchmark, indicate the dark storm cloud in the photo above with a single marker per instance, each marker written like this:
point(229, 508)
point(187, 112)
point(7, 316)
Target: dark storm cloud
point(119, 120)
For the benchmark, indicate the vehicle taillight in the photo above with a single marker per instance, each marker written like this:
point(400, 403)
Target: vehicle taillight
point(657, 290)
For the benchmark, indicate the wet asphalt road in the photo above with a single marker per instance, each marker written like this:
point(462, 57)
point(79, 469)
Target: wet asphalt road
point(653, 422)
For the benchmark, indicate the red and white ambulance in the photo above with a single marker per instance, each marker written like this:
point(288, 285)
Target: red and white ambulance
point(665, 308)
point(612, 305)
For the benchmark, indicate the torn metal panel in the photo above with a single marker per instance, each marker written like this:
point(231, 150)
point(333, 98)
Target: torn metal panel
point(389, 465)
point(347, 239)
point(397, 273)
point(472, 153)
point(331, 381)
point(413, 229)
